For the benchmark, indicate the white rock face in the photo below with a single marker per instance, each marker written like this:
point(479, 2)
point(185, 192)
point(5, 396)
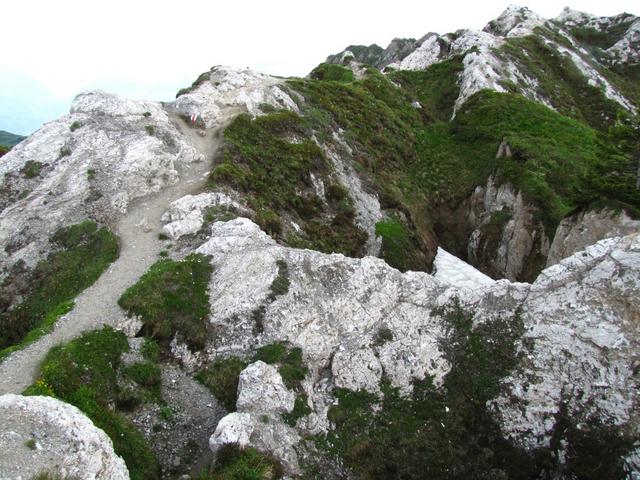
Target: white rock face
point(185, 216)
point(367, 205)
point(336, 306)
point(577, 232)
point(261, 390)
point(234, 428)
point(229, 88)
point(262, 399)
point(457, 273)
point(627, 49)
point(486, 66)
point(583, 350)
point(359, 370)
point(65, 442)
point(515, 21)
point(109, 159)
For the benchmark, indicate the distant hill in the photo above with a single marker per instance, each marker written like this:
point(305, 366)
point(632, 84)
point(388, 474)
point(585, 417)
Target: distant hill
point(10, 139)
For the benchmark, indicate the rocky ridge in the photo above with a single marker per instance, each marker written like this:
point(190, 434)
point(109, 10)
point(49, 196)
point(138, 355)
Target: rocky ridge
point(362, 326)
point(487, 64)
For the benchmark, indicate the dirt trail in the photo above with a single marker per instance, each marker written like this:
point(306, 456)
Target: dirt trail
point(138, 231)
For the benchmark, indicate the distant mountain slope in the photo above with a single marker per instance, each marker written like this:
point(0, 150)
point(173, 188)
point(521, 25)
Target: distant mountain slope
point(578, 64)
point(10, 139)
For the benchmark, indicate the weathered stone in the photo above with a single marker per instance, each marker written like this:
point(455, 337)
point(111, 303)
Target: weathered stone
point(43, 434)
point(261, 390)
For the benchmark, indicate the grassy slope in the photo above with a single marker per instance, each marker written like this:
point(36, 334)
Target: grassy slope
point(272, 160)
point(10, 139)
point(84, 373)
point(559, 162)
point(83, 252)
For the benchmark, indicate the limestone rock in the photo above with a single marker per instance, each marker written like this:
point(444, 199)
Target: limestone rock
point(185, 216)
point(584, 351)
point(94, 162)
point(336, 306)
point(229, 88)
point(43, 434)
point(261, 390)
point(359, 370)
point(578, 231)
point(519, 238)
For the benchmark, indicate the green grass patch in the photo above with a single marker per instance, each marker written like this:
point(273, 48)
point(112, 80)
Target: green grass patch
point(236, 463)
point(271, 159)
point(81, 253)
point(221, 378)
point(436, 88)
point(148, 376)
point(280, 284)
point(561, 81)
point(300, 409)
point(332, 72)
point(84, 373)
point(74, 126)
point(31, 169)
point(150, 350)
point(45, 326)
point(171, 298)
point(398, 247)
point(289, 360)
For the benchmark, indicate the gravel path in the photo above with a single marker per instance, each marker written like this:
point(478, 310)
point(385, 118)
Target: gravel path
point(138, 231)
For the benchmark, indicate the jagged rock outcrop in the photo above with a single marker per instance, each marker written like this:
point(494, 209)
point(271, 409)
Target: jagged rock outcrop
point(506, 236)
point(45, 435)
point(91, 163)
point(578, 231)
point(598, 344)
point(262, 398)
point(185, 216)
point(223, 88)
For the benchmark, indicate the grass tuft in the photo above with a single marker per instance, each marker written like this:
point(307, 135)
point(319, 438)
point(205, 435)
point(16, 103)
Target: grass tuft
point(171, 299)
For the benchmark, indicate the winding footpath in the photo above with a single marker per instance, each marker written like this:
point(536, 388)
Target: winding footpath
point(138, 231)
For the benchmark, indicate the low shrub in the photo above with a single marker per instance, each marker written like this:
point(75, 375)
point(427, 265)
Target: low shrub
point(237, 463)
point(31, 169)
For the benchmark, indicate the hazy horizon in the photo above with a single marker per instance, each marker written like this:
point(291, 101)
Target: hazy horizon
point(152, 49)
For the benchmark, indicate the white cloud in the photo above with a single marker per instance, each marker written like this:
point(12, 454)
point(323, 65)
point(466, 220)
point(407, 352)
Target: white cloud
point(155, 47)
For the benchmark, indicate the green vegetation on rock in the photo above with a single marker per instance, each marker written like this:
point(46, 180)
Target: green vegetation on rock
point(31, 169)
point(81, 253)
point(237, 463)
point(221, 378)
point(171, 298)
point(84, 373)
point(332, 72)
point(398, 247)
point(272, 159)
point(289, 360)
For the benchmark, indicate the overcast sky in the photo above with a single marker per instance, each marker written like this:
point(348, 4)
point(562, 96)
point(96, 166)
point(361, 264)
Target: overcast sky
point(149, 49)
